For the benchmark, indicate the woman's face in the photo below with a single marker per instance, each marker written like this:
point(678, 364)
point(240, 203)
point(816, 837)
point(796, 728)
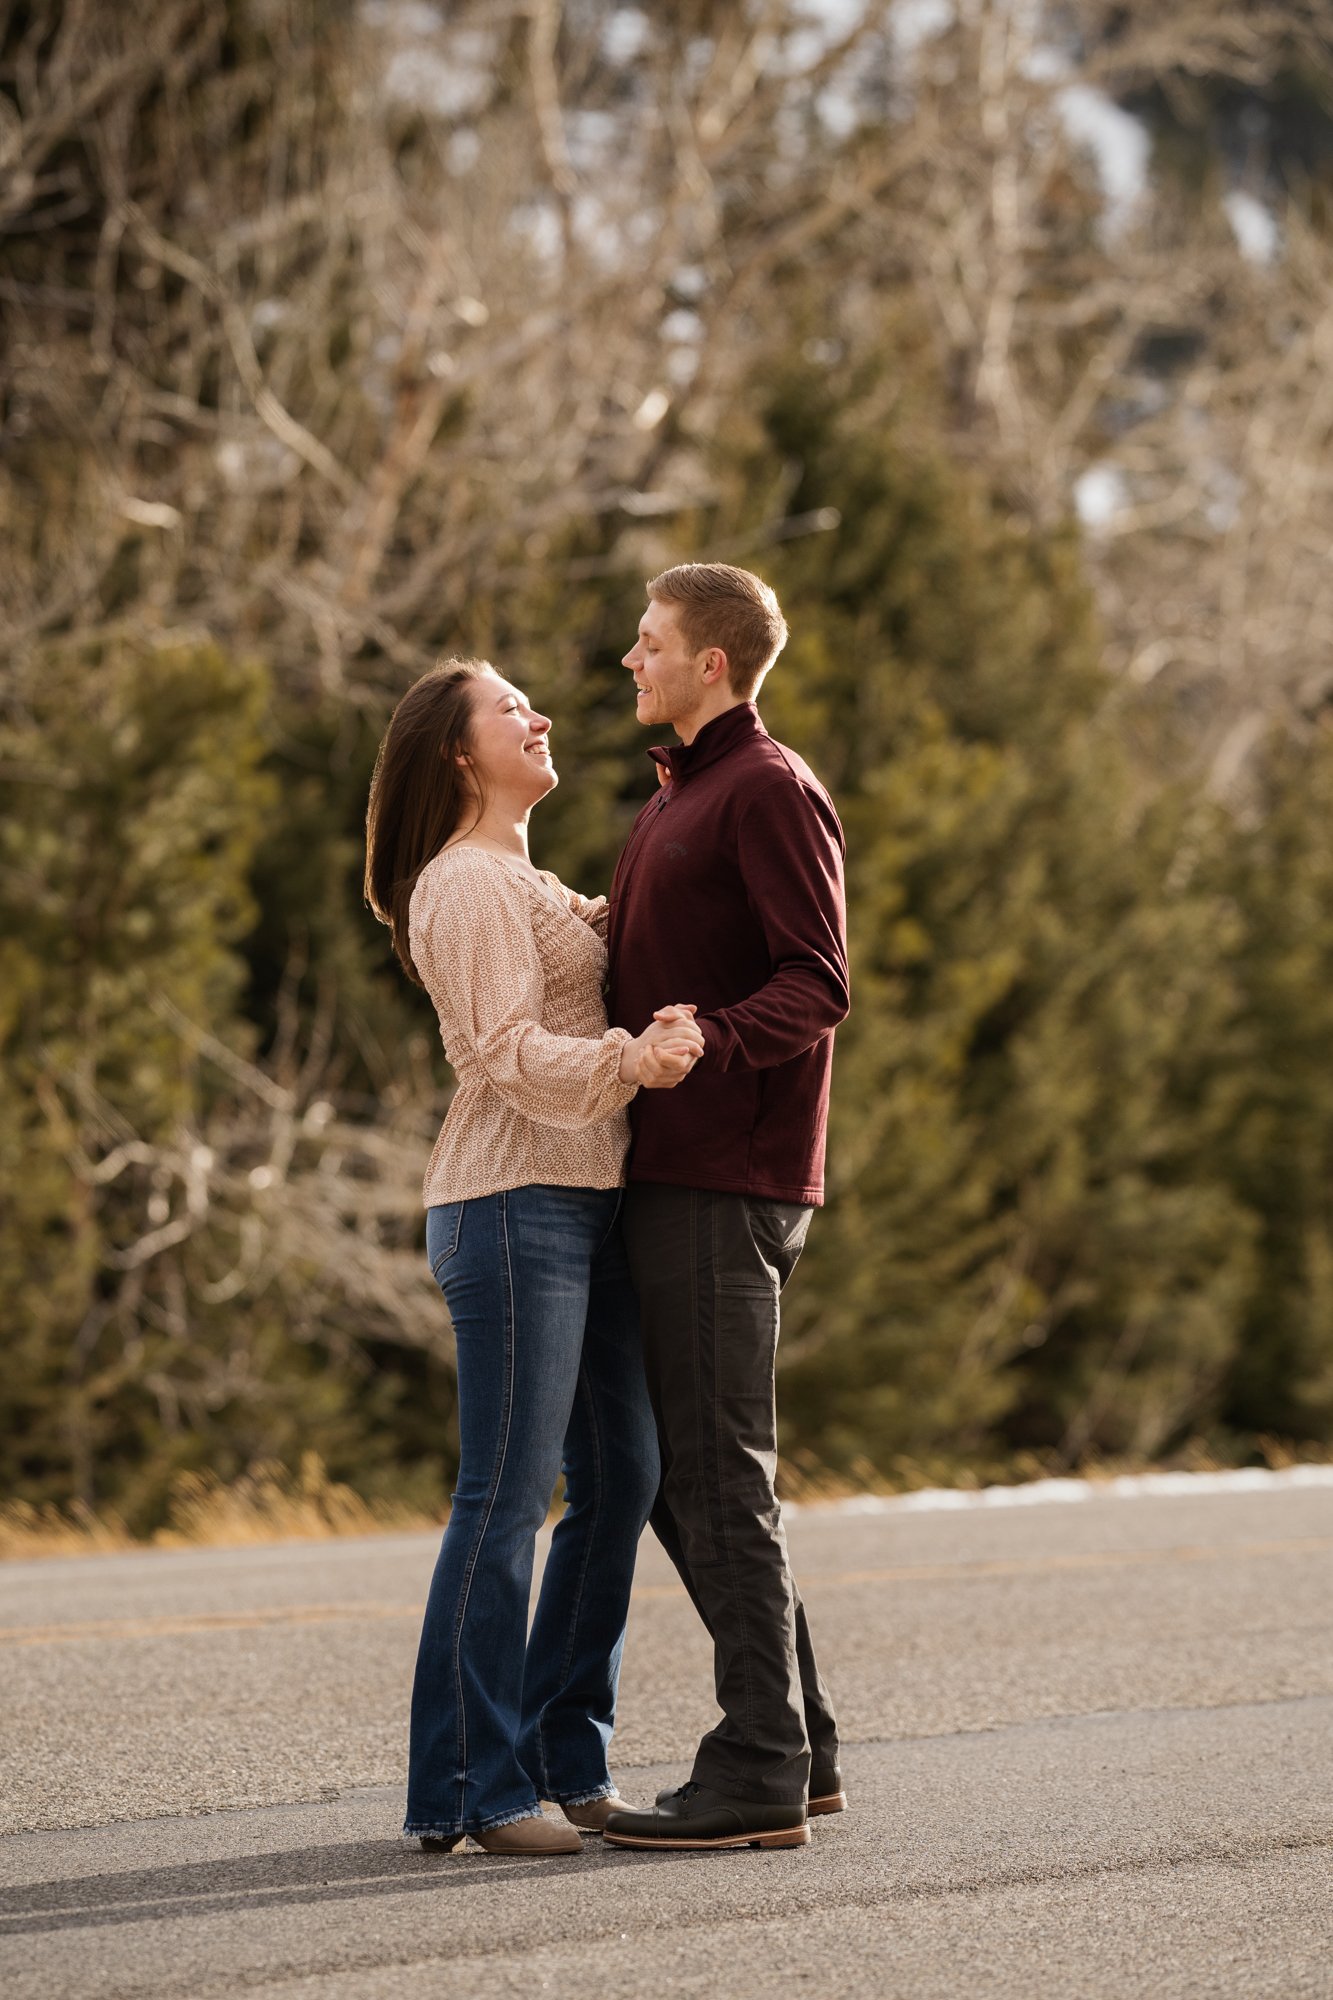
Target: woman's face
point(509, 758)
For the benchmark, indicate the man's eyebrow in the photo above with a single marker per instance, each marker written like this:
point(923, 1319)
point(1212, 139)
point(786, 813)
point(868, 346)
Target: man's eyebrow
point(512, 694)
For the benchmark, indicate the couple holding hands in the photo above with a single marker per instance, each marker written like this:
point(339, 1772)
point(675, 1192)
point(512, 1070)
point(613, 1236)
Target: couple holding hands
point(621, 1188)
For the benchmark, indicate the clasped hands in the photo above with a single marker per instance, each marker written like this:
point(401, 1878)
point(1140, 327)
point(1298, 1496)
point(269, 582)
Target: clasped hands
point(665, 1053)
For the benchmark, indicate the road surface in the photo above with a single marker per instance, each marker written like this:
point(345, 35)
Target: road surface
point(1090, 1753)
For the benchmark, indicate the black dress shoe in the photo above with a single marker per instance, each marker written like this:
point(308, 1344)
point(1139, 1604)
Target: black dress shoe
point(696, 1817)
point(826, 1793)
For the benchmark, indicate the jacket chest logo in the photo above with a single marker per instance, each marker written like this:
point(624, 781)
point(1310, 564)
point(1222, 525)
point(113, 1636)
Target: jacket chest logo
point(674, 851)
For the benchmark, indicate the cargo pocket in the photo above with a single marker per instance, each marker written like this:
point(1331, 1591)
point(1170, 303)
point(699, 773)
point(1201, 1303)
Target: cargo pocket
point(778, 1230)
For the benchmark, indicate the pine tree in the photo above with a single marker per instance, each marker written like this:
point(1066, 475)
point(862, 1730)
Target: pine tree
point(1029, 1243)
point(1281, 1142)
point(131, 808)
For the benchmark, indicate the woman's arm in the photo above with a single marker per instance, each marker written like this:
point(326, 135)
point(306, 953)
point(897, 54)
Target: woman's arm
point(476, 952)
point(477, 955)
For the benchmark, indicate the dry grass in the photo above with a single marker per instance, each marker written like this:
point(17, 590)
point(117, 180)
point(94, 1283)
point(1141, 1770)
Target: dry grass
point(273, 1504)
point(268, 1504)
point(805, 1479)
point(26, 1530)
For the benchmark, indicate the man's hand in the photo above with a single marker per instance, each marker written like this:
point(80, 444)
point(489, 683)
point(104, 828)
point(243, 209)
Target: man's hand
point(682, 1012)
point(665, 1064)
point(665, 1053)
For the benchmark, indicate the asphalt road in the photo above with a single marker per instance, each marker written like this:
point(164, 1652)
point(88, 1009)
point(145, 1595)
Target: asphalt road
point(1090, 1752)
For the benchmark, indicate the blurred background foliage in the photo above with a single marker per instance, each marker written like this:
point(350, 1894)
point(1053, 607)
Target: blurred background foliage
point(996, 335)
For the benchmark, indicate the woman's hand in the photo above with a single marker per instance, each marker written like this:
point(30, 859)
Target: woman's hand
point(665, 1053)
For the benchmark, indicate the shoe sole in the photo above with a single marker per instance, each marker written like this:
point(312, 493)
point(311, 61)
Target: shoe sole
point(505, 1853)
point(532, 1853)
point(786, 1836)
point(831, 1802)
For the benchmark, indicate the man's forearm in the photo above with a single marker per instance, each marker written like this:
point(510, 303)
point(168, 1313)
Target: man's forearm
point(779, 1022)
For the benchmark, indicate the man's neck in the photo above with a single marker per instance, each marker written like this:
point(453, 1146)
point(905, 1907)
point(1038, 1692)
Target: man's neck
point(687, 727)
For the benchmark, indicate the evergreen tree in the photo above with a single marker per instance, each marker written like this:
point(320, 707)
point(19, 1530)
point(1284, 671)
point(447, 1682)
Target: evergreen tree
point(1281, 1150)
point(130, 809)
point(1029, 1242)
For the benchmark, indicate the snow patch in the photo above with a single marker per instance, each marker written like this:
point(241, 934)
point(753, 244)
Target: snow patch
point(1073, 1492)
point(1099, 495)
point(913, 22)
point(1118, 142)
point(626, 35)
point(1254, 226)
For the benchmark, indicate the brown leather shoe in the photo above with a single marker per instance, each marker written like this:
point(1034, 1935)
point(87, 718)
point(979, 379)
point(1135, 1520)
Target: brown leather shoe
point(591, 1817)
point(535, 1835)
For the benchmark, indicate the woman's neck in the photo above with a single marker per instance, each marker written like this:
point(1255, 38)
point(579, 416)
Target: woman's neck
point(501, 828)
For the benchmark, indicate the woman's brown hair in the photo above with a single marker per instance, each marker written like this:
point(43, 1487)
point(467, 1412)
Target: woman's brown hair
point(418, 794)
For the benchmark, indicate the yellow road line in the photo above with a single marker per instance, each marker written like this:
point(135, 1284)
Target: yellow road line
point(181, 1624)
point(185, 1624)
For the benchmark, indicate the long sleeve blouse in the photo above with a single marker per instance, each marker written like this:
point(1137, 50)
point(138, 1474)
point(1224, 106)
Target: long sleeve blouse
point(517, 974)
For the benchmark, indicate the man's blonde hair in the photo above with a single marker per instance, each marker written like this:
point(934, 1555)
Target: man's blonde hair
point(718, 605)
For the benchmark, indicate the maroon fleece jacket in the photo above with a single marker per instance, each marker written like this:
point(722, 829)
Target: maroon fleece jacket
point(729, 893)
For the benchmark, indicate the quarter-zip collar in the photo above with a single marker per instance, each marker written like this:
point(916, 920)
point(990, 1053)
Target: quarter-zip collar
point(734, 726)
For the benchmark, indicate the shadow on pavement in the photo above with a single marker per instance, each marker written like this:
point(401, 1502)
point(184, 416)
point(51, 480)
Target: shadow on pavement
point(302, 1875)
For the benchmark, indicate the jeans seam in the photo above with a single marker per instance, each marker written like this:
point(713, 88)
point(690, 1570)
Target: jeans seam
point(474, 1553)
point(577, 1605)
point(724, 1537)
point(696, 1341)
point(607, 1233)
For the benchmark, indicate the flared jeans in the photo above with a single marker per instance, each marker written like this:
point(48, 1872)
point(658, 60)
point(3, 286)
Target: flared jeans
point(550, 1379)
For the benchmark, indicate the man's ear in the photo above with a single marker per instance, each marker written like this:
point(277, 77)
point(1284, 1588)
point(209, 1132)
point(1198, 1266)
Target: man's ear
point(715, 666)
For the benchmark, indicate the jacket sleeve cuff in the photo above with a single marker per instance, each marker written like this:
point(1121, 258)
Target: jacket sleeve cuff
point(715, 1041)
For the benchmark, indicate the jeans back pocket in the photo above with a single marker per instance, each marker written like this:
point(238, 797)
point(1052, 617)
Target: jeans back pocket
point(444, 1232)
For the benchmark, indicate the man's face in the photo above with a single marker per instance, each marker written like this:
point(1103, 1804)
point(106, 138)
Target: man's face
point(668, 676)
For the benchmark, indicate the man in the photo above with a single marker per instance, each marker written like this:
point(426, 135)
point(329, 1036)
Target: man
point(730, 891)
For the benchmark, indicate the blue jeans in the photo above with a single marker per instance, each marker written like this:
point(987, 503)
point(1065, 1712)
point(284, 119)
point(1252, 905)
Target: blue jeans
point(550, 1376)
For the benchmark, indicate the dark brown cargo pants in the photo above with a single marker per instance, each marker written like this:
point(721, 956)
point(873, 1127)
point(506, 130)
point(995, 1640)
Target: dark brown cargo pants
point(708, 1269)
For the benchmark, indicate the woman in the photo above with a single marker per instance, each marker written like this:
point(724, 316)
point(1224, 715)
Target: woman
point(522, 1232)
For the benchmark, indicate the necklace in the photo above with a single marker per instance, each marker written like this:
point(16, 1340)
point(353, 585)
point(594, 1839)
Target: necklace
point(518, 867)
